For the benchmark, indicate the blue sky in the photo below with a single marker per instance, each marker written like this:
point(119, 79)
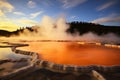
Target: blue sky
point(30, 12)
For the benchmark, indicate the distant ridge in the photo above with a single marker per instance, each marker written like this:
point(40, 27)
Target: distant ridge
point(75, 27)
point(84, 27)
point(4, 33)
point(15, 33)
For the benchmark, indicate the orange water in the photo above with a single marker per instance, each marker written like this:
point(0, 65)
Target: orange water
point(75, 54)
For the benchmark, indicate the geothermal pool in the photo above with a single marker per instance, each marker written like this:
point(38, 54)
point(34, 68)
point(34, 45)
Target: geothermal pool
point(75, 54)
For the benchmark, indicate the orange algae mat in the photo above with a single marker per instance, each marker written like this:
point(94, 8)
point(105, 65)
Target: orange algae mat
point(74, 53)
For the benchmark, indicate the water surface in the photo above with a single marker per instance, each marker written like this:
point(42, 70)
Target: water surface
point(74, 53)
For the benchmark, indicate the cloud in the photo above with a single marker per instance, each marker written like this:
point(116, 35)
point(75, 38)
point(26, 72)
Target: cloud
point(73, 17)
point(19, 13)
point(34, 15)
point(28, 22)
point(1, 13)
point(106, 5)
point(8, 25)
point(71, 3)
point(5, 6)
point(31, 4)
point(107, 19)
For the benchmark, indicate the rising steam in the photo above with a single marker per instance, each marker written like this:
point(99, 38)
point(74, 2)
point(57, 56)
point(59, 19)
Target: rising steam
point(66, 53)
point(55, 29)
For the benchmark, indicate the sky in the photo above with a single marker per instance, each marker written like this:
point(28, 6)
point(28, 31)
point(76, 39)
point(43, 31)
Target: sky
point(21, 13)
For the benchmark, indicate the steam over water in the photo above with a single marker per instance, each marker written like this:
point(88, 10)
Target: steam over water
point(69, 52)
point(55, 29)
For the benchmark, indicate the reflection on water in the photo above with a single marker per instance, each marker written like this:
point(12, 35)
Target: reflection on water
point(6, 53)
point(73, 53)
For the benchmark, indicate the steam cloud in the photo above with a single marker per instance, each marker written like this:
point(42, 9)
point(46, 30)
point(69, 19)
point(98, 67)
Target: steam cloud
point(55, 29)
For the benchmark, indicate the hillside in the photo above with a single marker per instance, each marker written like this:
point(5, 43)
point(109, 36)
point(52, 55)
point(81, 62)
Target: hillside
point(83, 27)
point(5, 33)
point(15, 33)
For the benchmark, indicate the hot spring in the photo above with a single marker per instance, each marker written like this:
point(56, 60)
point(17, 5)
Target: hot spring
point(75, 53)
